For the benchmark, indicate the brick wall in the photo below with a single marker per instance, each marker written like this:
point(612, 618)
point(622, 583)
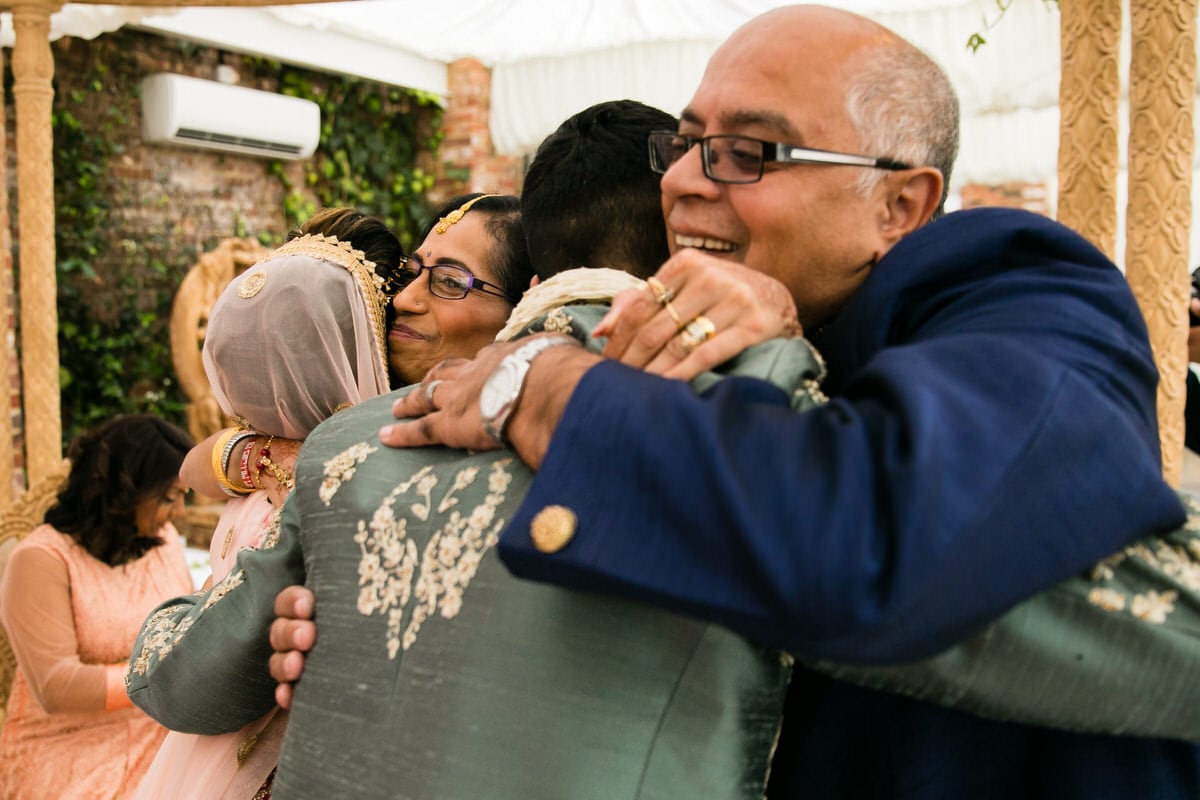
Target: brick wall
point(1033, 197)
point(467, 162)
point(168, 204)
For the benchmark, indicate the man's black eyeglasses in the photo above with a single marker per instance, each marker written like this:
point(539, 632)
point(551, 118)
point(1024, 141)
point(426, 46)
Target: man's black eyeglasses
point(739, 159)
point(447, 281)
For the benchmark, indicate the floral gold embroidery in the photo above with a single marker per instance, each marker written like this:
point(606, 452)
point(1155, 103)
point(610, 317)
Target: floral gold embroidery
point(1108, 599)
point(162, 632)
point(557, 321)
point(1153, 606)
point(1173, 557)
point(224, 587)
point(272, 537)
point(341, 468)
point(809, 393)
point(425, 482)
point(392, 576)
point(159, 636)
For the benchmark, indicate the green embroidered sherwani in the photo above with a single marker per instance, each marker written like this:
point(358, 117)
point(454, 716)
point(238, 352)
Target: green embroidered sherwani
point(439, 675)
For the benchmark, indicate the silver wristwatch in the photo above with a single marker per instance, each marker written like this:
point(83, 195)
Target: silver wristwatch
point(501, 391)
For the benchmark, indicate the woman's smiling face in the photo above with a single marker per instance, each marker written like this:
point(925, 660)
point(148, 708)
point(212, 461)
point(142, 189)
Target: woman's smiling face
point(427, 328)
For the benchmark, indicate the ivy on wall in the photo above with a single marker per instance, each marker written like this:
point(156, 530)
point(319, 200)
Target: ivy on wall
point(112, 360)
point(372, 141)
point(116, 281)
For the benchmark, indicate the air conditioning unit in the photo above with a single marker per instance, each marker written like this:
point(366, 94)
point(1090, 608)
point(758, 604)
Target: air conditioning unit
point(192, 112)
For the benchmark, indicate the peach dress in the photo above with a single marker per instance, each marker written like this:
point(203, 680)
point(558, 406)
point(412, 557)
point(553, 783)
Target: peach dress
point(71, 733)
point(193, 767)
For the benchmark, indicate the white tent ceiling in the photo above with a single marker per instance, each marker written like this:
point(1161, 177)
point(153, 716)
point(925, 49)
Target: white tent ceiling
point(549, 60)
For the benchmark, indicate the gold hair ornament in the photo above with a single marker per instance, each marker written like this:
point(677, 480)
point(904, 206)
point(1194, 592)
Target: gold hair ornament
point(454, 216)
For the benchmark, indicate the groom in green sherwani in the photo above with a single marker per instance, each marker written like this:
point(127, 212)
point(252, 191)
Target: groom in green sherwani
point(438, 674)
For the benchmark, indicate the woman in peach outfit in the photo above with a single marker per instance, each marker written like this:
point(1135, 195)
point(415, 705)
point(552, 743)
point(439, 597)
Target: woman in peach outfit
point(72, 598)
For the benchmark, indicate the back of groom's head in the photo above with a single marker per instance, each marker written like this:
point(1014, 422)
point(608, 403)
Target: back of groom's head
point(590, 198)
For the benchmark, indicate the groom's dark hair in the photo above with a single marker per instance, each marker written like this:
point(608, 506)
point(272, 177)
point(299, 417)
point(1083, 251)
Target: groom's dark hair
point(590, 198)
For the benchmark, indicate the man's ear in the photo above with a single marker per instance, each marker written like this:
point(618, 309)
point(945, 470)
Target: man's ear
point(913, 195)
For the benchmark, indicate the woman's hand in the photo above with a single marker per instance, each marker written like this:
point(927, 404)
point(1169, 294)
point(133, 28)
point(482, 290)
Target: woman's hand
point(197, 470)
point(196, 473)
point(282, 456)
point(697, 311)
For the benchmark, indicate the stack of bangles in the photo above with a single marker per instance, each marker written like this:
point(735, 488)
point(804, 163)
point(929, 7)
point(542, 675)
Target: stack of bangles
point(250, 469)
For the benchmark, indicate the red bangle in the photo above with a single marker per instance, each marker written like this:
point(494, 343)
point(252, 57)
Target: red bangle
point(247, 477)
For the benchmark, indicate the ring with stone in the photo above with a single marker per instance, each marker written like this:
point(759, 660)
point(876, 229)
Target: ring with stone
point(696, 333)
point(662, 295)
point(701, 327)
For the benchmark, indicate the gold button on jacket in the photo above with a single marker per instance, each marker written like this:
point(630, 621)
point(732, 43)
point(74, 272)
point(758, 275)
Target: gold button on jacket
point(553, 528)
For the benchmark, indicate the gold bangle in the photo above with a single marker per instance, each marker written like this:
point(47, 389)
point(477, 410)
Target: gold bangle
point(220, 461)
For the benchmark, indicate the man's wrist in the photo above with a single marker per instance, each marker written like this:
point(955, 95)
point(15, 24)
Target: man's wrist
point(550, 383)
point(503, 389)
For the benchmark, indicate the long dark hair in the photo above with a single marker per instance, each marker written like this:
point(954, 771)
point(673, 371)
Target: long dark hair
point(113, 468)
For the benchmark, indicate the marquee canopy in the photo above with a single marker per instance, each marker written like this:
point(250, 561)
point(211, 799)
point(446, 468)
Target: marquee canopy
point(549, 60)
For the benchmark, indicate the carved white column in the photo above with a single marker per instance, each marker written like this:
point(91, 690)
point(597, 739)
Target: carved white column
point(33, 94)
point(8, 452)
point(1088, 95)
point(1162, 80)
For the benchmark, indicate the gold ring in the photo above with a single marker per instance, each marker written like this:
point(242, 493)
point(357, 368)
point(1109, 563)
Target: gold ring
point(670, 309)
point(701, 327)
point(688, 341)
point(662, 295)
point(696, 333)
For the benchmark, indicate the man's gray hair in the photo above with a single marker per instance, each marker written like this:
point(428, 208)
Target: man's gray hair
point(904, 108)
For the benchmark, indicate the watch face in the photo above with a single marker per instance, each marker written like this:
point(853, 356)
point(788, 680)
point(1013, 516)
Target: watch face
point(500, 389)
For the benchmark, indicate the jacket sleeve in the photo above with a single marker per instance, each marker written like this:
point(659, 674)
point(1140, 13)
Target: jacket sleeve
point(995, 437)
point(199, 664)
point(1111, 651)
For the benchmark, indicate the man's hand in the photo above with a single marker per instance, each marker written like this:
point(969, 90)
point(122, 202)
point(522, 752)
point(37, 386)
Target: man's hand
point(744, 308)
point(293, 633)
point(444, 408)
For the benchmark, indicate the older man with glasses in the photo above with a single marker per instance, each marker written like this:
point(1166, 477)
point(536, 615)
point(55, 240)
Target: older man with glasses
point(991, 428)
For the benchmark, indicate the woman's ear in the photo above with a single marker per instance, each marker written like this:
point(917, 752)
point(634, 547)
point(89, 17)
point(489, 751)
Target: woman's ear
point(534, 281)
point(913, 197)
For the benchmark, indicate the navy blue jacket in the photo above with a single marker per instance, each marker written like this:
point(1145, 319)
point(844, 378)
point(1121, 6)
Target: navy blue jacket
point(991, 430)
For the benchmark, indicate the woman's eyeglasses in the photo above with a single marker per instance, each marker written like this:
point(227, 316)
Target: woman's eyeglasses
point(447, 281)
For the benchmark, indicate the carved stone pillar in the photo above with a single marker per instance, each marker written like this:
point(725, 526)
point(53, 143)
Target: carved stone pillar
point(1162, 80)
point(33, 69)
point(8, 354)
point(1088, 97)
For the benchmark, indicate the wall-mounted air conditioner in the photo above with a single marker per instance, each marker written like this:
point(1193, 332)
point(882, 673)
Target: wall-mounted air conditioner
point(180, 110)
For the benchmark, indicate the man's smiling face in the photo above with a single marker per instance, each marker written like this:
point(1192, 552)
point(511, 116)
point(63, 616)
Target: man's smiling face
point(807, 225)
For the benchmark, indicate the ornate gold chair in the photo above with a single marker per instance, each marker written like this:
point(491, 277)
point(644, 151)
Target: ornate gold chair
point(189, 321)
point(16, 521)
